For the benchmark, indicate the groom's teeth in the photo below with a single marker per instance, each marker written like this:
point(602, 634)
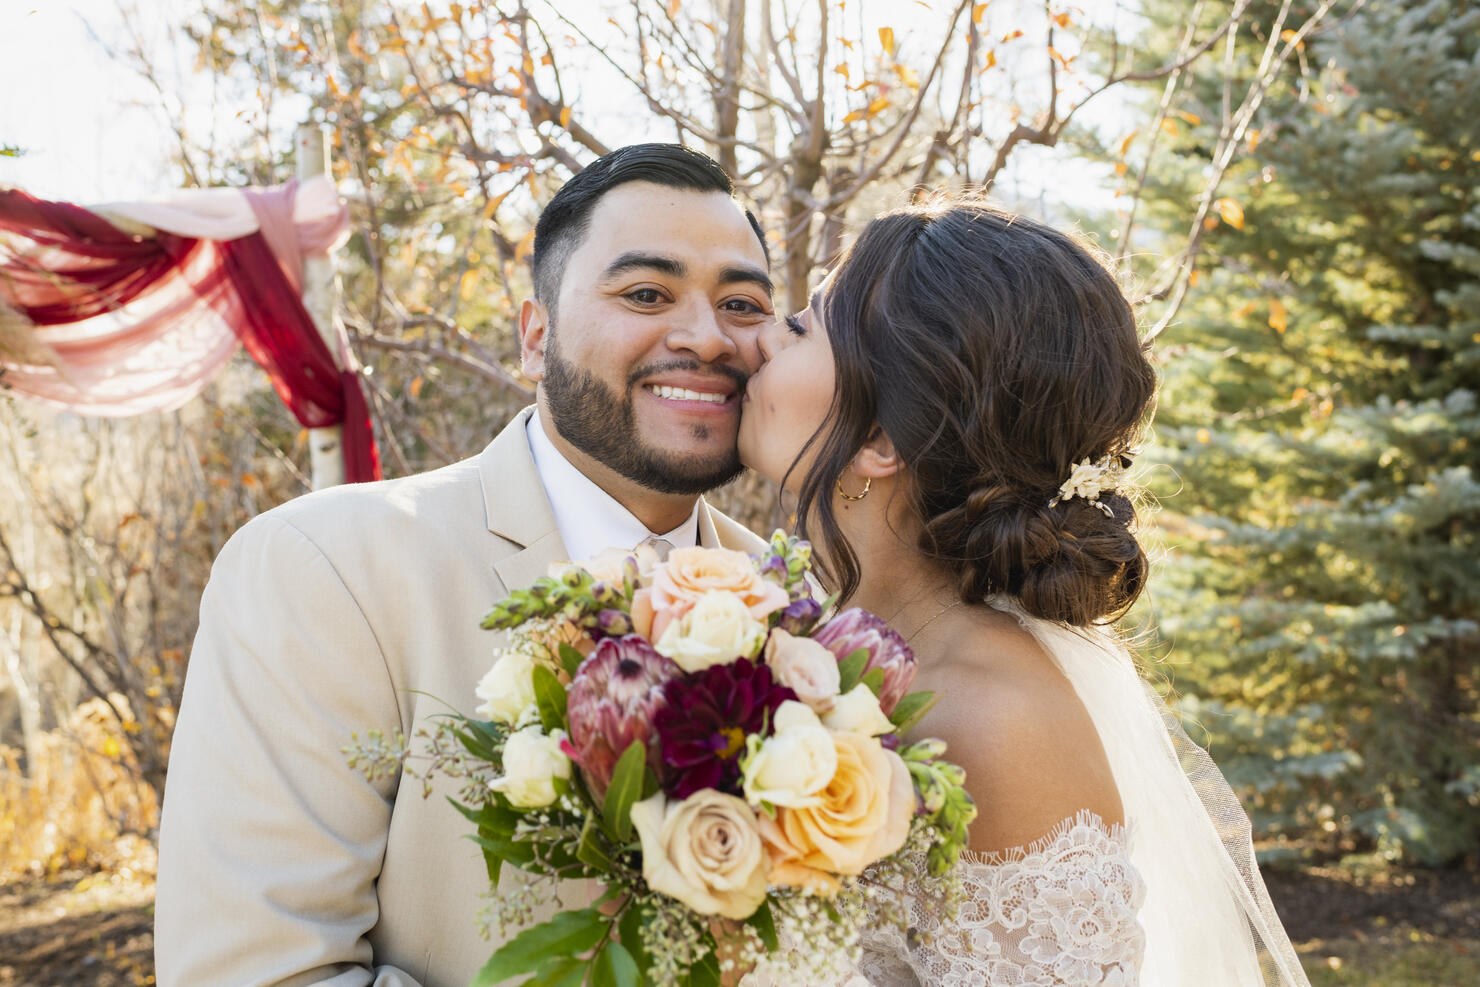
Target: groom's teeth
point(684, 394)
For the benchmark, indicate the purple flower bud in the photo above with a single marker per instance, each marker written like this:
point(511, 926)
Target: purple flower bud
point(612, 701)
point(854, 629)
point(614, 623)
point(773, 567)
point(799, 616)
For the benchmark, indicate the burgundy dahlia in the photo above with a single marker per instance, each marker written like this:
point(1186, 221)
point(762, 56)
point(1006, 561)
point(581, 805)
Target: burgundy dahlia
point(611, 702)
point(853, 629)
point(703, 725)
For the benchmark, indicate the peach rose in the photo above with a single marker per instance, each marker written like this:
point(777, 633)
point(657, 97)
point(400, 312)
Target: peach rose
point(690, 573)
point(864, 815)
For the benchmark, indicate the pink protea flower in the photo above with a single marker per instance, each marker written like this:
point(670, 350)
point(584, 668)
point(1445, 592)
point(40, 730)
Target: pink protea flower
point(853, 629)
point(612, 702)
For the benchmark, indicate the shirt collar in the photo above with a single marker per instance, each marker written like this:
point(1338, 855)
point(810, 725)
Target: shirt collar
point(589, 519)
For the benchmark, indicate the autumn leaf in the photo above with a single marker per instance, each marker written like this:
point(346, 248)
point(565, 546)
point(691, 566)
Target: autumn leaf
point(1194, 278)
point(1058, 57)
point(354, 46)
point(565, 117)
point(1062, 20)
point(1210, 222)
point(886, 38)
point(1191, 118)
point(1170, 126)
point(526, 245)
point(1204, 436)
point(878, 105)
point(853, 115)
point(977, 12)
point(1279, 317)
point(1012, 36)
point(1125, 145)
point(908, 76)
point(991, 60)
point(416, 382)
point(842, 70)
point(1245, 310)
point(1232, 212)
point(1254, 140)
point(1120, 169)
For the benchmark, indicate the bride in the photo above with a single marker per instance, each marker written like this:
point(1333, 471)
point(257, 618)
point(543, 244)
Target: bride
point(955, 412)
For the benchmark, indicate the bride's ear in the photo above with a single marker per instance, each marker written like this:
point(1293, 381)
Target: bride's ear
point(877, 458)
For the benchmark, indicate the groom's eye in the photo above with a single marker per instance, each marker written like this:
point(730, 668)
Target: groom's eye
point(743, 306)
point(645, 296)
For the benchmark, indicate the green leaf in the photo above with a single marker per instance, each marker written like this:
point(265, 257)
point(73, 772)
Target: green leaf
point(571, 659)
point(614, 967)
point(911, 709)
point(874, 679)
point(850, 669)
point(629, 928)
point(705, 973)
point(567, 934)
point(563, 971)
point(626, 785)
point(516, 853)
point(764, 923)
point(549, 695)
point(590, 851)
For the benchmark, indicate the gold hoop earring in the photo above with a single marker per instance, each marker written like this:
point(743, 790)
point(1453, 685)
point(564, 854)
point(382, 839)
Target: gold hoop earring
point(868, 481)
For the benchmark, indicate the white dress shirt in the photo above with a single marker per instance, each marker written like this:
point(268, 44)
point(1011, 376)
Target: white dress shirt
point(590, 519)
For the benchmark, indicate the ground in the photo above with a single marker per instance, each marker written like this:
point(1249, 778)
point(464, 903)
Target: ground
point(1405, 928)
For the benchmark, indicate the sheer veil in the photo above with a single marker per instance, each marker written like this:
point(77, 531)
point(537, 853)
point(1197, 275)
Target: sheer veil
point(1207, 916)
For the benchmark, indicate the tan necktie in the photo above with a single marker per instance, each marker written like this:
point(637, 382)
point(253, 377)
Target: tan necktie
point(660, 546)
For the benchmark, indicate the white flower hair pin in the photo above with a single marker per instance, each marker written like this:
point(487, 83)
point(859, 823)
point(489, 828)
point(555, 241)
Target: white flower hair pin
point(1091, 479)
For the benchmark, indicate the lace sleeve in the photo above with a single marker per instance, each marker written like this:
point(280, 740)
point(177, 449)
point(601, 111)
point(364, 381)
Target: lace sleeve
point(1060, 911)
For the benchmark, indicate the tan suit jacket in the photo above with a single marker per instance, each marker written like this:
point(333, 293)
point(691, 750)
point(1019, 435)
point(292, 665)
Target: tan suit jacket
point(345, 610)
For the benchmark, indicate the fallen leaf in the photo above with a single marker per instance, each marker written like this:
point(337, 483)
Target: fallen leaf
point(1279, 317)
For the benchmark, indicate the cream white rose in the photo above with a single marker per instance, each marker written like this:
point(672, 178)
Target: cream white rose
point(507, 690)
point(858, 712)
point(705, 851)
point(795, 763)
point(804, 666)
point(533, 761)
point(716, 631)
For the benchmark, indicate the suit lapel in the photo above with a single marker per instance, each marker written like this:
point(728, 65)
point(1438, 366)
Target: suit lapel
point(516, 508)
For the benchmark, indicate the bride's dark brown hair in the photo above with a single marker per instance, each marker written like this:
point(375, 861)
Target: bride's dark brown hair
point(996, 353)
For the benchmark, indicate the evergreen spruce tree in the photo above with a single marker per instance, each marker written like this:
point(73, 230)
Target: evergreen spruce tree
point(1321, 415)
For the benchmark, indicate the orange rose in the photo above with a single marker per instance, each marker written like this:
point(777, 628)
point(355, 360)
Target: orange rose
point(690, 573)
point(864, 815)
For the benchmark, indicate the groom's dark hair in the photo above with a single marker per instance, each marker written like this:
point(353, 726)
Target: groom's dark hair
point(564, 223)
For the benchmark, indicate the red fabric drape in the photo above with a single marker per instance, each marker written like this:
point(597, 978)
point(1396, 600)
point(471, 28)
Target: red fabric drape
point(81, 266)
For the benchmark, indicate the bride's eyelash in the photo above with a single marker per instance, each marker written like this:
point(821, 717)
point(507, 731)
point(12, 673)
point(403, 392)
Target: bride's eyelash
point(795, 325)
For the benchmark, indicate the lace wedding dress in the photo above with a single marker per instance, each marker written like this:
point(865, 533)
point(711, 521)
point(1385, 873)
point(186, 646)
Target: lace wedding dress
point(1171, 899)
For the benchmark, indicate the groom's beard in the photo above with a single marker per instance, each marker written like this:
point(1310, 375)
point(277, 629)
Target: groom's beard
point(601, 423)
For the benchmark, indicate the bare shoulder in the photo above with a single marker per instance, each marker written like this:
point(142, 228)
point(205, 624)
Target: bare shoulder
point(1009, 717)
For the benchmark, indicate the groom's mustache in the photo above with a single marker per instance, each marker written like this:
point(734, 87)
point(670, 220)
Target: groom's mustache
point(740, 377)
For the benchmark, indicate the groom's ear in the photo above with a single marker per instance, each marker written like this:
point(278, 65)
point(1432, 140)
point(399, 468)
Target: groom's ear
point(534, 325)
point(877, 458)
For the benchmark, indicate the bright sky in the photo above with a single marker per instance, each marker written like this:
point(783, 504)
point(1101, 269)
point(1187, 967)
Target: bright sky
point(92, 128)
point(95, 131)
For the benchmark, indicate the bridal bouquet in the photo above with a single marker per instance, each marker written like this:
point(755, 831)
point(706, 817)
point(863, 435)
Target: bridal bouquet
point(696, 737)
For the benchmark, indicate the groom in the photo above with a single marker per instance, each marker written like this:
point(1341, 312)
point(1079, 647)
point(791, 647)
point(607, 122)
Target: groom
point(357, 608)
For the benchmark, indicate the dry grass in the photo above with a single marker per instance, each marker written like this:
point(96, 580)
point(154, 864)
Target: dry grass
point(79, 806)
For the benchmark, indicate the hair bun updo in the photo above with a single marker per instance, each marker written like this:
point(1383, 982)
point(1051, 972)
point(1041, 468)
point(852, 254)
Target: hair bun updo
point(996, 353)
point(1070, 562)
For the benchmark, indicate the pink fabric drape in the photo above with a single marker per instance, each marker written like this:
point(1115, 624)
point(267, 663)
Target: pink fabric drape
point(103, 321)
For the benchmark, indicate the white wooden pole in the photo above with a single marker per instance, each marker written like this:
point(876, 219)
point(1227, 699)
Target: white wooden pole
point(320, 293)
